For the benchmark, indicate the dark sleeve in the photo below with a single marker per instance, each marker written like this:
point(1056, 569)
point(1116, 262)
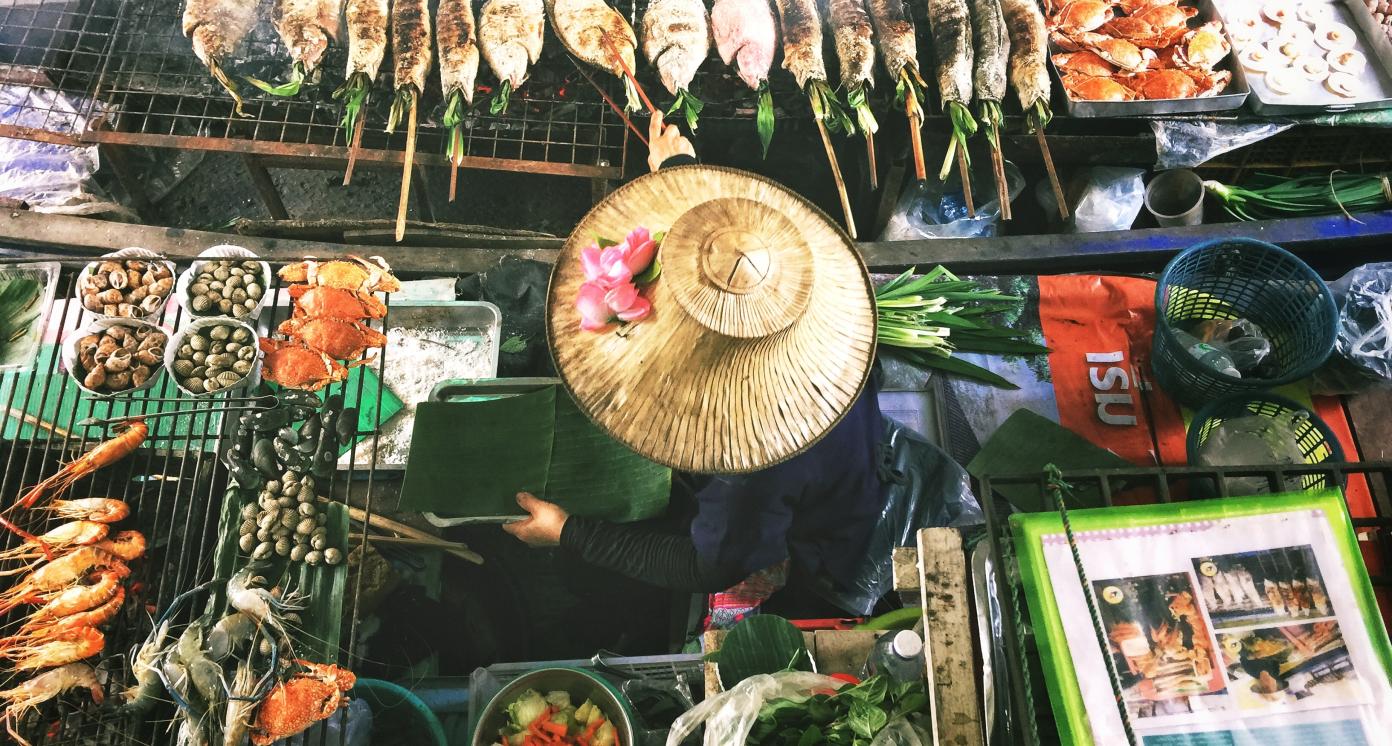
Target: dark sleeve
point(680, 159)
point(663, 560)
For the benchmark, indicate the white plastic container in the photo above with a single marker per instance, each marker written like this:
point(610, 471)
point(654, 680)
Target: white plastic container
point(223, 251)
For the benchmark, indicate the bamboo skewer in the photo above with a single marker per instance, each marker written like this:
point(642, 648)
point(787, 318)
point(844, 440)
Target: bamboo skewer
point(965, 171)
point(454, 179)
point(612, 104)
point(1053, 175)
point(386, 524)
point(634, 81)
point(458, 550)
point(916, 137)
point(840, 181)
point(406, 171)
point(1002, 187)
point(870, 156)
point(353, 149)
point(36, 422)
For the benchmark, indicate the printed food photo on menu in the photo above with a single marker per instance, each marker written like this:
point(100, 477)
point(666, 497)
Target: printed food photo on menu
point(1290, 666)
point(1161, 645)
point(1270, 586)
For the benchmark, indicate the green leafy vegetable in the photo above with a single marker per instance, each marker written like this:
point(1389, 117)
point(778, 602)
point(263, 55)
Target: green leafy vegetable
point(925, 320)
point(761, 644)
point(513, 345)
point(354, 93)
point(286, 89)
point(689, 106)
point(19, 306)
point(526, 708)
point(401, 104)
point(853, 716)
point(1269, 196)
point(499, 105)
point(859, 101)
point(765, 118)
point(454, 122)
point(963, 127)
point(829, 109)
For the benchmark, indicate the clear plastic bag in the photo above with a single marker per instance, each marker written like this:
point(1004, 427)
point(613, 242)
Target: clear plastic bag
point(1240, 339)
point(1186, 143)
point(921, 487)
point(902, 732)
point(1256, 439)
point(1111, 200)
point(49, 177)
point(729, 716)
point(938, 209)
point(1363, 348)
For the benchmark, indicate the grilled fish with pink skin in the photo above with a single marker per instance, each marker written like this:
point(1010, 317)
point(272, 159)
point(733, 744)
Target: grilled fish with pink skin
point(510, 36)
point(746, 36)
point(216, 27)
point(676, 40)
point(596, 33)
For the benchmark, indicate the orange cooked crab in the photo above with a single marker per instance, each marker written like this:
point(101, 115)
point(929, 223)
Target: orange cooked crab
point(294, 705)
point(295, 366)
point(335, 303)
point(359, 275)
point(340, 339)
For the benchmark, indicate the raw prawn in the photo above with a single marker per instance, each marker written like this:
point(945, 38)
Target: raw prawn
point(258, 603)
point(39, 689)
point(105, 454)
point(98, 509)
point(68, 646)
point(60, 574)
point(35, 630)
point(144, 661)
point(70, 534)
point(124, 545)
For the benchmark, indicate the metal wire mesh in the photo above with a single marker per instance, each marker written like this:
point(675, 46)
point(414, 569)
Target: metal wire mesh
point(1131, 485)
point(48, 47)
point(174, 485)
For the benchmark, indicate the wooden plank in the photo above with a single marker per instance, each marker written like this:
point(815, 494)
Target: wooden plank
point(905, 561)
point(842, 650)
point(947, 631)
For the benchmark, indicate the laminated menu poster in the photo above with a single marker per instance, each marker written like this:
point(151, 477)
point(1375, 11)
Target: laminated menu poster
point(1238, 622)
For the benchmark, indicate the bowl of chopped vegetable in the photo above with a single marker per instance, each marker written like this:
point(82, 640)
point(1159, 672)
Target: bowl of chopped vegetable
point(558, 707)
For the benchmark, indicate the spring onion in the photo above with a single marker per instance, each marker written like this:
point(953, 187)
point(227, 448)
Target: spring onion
point(1268, 196)
point(963, 127)
point(925, 320)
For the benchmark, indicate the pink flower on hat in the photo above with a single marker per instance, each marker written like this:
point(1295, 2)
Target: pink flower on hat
point(609, 292)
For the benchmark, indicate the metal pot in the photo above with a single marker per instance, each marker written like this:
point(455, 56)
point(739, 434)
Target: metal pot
point(582, 685)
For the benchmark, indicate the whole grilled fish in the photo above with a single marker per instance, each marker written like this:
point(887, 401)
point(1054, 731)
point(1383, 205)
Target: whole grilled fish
point(367, 36)
point(992, 50)
point(802, 40)
point(950, 23)
point(1028, 47)
point(306, 27)
point(410, 35)
point(595, 33)
point(894, 32)
point(216, 27)
point(457, 39)
point(676, 40)
point(854, 38)
point(510, 35)
point(746, 36)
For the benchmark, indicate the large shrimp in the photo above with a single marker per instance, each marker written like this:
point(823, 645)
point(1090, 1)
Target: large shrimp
point(144, 662)
point(63, 572)
point(39, 689)
point(66, 536)
point(98, 509)
point(105, 454)
point(68, 646)
point(125, 545)
point(79, 598)
point(37, 631)
point(258, 603)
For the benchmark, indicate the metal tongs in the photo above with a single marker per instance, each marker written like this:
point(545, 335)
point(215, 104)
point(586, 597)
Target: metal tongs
point(258, 403)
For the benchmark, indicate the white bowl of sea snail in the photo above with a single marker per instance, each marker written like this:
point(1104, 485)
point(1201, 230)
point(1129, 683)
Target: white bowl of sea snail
point(130, 284)
point(225, 280)
point(115, 356)
point(212, 355)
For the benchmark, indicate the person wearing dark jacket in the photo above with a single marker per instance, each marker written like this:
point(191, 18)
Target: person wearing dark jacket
point(811, 509)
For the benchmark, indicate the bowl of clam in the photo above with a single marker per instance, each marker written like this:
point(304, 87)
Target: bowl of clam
point(225, 281)
point(115, 356)
point(212, 355)
point(131, 283)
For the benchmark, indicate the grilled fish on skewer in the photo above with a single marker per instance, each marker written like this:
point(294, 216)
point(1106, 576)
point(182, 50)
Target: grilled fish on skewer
point(676, 40)
point(950, 24)
point(1029, 43)
point(746, 36)
point(992, 56)
point(894, 30)
point(410, 35)
point(855, 50)
point(596, 33)
point(306, 27)
point(510, 35)
point(367, 46)
point(216, 27)
point(459, 60)
point(802, 40)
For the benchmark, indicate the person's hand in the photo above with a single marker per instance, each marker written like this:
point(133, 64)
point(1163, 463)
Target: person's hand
point(543, 527)
point(665, 141)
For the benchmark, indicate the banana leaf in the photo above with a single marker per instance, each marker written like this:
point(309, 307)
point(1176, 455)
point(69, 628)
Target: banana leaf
point(470, 458)
point(760, 644)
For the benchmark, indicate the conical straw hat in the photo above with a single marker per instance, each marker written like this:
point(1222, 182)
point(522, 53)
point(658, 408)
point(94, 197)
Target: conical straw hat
point(761, 335)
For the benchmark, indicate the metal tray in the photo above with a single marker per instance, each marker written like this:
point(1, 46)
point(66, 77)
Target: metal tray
point(1376, 78)
point(1234, 98)
point(466, 322)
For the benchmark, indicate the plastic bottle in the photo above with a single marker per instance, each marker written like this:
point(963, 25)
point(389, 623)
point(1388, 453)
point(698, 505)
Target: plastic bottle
point(898, 655)
point(1207, 354)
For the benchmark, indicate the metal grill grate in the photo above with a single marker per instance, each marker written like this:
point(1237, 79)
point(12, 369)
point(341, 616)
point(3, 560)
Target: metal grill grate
point(174, 485)
point(1025, 699)
point(48, 47)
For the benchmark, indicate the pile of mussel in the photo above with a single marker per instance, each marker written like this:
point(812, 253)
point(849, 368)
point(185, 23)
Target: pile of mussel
point(287, 466)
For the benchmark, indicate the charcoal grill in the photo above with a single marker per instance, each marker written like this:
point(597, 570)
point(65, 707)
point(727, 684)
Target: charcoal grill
point(174, 486)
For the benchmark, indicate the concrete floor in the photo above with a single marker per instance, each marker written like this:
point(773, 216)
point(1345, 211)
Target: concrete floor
point(219, 190)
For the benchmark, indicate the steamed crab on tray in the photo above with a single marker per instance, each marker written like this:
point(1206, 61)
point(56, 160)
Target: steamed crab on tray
point(1136, 49)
